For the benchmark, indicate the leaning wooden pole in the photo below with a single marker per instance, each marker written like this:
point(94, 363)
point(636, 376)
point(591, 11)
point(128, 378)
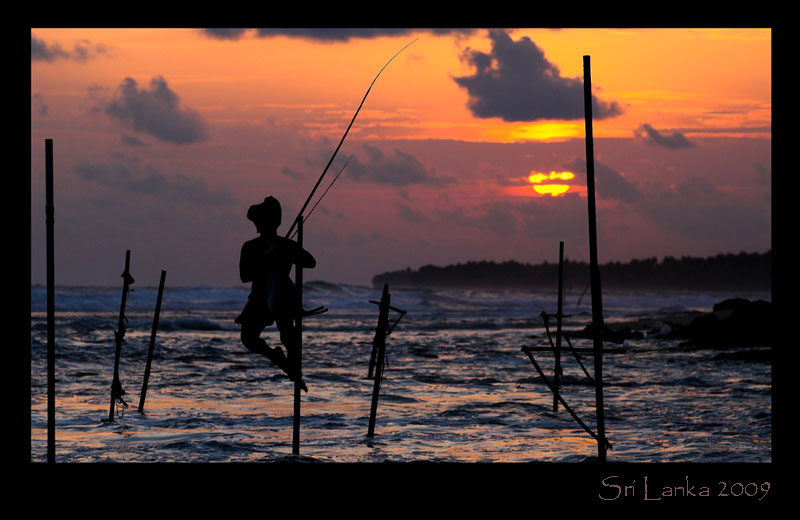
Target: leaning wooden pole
point(143, 393)
point(379, 348)
point(594, 272)
point(299, 355)
point(51, 341)
point(559, 316)
point(119, 334)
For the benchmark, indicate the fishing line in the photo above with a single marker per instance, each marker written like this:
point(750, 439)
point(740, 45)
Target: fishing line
point(323, 195)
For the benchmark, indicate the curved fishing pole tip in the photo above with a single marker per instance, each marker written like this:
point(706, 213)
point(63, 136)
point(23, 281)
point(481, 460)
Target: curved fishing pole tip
point(305, 205)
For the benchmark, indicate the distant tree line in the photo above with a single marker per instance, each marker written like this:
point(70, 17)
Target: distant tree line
point(744, 271)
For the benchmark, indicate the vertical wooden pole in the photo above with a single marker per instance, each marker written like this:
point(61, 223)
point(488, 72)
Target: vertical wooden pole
point(557, 374)
point(379, 347)
point(372, 357)
point(597, 301)
point(51, 342)
point(119, 334)
point(143, 393)
point(299, 356)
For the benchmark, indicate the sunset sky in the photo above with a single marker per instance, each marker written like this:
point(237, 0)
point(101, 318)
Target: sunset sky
point(164, 137)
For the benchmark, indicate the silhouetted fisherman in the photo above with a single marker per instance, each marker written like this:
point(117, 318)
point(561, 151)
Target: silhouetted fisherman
point(266, 262)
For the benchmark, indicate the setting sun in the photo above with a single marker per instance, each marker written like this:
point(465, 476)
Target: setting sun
point(550, 189)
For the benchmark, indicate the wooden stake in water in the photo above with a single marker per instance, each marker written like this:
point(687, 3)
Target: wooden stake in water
point(119, 334)
point(299, 355)
point(51, 342)
point(557, 374)
point(379, 350)
point(143, 393)
point(597, 299)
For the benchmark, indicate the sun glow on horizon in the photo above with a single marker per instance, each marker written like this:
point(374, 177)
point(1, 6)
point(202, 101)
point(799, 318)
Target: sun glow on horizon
point(554, 190)
point(549, 131)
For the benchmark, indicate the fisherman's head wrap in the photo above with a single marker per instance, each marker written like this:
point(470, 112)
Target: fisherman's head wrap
point(266, 215)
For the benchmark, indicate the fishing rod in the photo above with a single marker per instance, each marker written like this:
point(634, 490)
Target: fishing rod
point(323, 194)
point(294, 222)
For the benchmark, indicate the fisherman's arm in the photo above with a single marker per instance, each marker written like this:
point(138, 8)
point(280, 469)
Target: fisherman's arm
point(245, 266)
point(289, 251)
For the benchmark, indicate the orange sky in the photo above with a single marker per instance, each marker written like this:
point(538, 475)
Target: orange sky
point(670, 78)
point(273, 109)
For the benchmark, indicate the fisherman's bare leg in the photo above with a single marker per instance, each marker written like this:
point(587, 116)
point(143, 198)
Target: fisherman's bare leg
point(289, 339)
point(251, 340)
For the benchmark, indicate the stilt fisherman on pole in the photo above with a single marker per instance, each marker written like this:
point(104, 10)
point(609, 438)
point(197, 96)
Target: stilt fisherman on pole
point(266, 262)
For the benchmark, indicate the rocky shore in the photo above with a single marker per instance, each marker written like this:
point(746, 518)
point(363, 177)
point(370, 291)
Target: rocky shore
point(736, 323)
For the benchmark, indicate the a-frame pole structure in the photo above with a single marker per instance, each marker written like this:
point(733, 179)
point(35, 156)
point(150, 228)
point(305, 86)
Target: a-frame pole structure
point(116, 386)
point(379, 352)
point(594, 272)
point(299, 358)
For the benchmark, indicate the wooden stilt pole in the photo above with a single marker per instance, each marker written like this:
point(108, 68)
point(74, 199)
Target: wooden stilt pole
point(379, 349)
point(143, 393)
point(597, 301)
point(557, 371)
point(299, 354)
point(119, 334)
point(51, 344)
point(372, 358)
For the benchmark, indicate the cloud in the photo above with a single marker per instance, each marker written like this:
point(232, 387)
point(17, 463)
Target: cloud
point(498, 218)
point(331, 34)
point(516, 83)
point(763, 174)
point(130, 176)
point(609, 183)
point(156, 111)
point(554, 218)
point(495, 217)
point(132, 140)
point(291, 173)
point(696, 209)
point(653, 137)
point(409, 214)
point(81, 52)
point(398, 169)
point(38, 104)
point(224, 34)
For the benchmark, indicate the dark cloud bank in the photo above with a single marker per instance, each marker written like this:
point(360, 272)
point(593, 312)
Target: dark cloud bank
point(397, 169)
point(610, 184)
point(156, 111)
point(81, 52)
point(333, 34)
point(131, 176)
point(516, 83)
point(653, 137)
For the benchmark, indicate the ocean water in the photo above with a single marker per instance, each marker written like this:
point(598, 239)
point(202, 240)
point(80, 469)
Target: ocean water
point(457, 387)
